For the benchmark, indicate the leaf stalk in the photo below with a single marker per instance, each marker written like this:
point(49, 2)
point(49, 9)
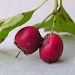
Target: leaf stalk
point(41, 4)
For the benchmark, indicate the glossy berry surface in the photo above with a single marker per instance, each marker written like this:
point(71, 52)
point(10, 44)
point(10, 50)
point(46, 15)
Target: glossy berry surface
point(51, 49)
point(28, 39)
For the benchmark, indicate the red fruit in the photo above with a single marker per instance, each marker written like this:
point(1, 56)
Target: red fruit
point(51, 49)
point(28, 39)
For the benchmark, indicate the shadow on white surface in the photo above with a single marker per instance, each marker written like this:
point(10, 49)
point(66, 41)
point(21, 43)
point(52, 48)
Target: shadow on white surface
point(69, 48)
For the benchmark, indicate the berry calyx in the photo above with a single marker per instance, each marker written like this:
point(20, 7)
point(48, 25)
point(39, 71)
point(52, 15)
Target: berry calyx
point(28, 39)
point(51, 49)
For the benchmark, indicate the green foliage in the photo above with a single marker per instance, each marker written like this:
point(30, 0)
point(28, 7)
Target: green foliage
point(9, 24)
point(6, 25)
point(64, 23)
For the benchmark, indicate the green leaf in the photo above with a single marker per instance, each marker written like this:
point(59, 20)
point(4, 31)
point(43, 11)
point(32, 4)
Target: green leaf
point(64, 23)
point(1, 22)
point(8, 24)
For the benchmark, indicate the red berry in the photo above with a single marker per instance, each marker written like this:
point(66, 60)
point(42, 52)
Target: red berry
point(51, 49)
point(28, 39)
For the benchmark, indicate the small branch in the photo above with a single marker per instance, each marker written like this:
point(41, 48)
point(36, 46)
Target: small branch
point(53, 13)
point(45, 20)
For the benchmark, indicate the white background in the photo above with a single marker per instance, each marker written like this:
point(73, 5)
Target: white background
point(32, 64)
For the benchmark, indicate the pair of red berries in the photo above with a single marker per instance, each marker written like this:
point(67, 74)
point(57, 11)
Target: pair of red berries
point(29, 40)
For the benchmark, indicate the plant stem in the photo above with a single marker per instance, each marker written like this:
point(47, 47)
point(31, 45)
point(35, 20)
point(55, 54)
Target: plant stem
point(60, 3)
point(54, 14)
point(45, 20)
point(56, 5)
point(18, 54)
point(41, 4)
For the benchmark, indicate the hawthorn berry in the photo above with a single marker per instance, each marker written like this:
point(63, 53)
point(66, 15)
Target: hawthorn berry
point(28, 39)
point(51, 49)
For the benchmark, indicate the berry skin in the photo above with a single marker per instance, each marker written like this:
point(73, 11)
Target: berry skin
point(28, 39)
point(51, 49)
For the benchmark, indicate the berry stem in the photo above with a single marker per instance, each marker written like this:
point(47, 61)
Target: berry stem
point(18, 54)
point(60, 3)
point(54, 14)
point(45, 20)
